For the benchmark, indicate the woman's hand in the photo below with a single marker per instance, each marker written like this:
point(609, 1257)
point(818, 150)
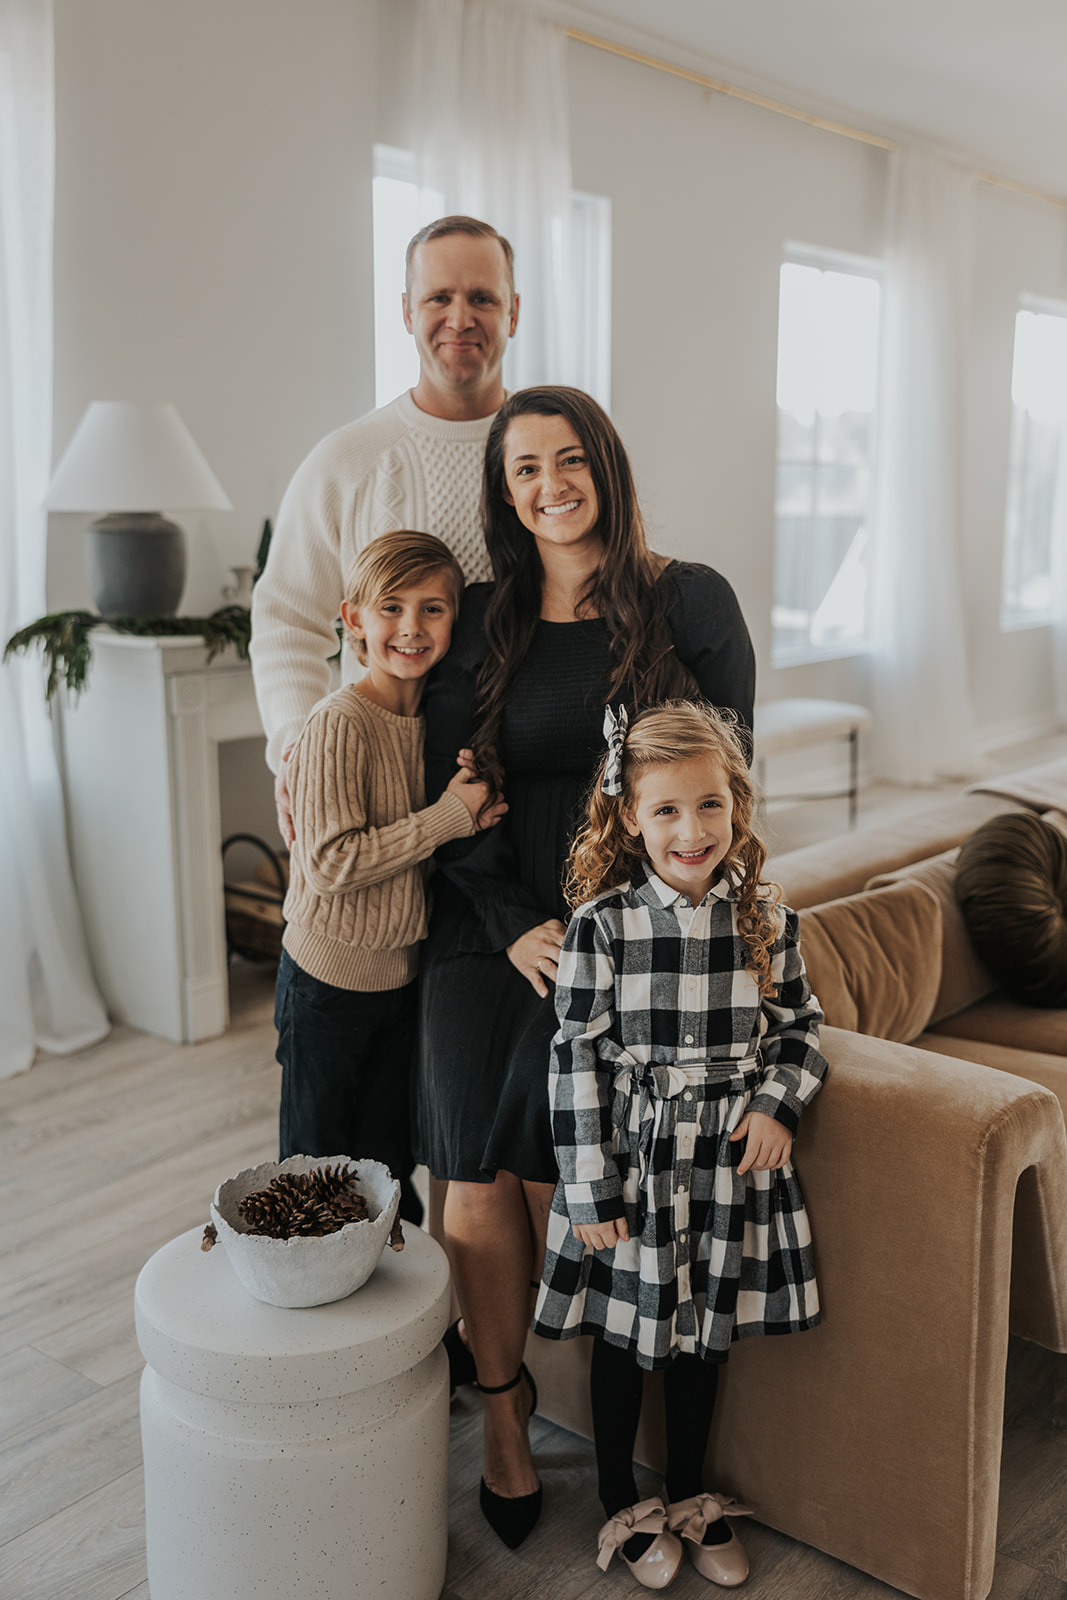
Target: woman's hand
point(485, 809)
point(769, 1144)
point(602, 1235)
point(535, 953)
point(282, 803)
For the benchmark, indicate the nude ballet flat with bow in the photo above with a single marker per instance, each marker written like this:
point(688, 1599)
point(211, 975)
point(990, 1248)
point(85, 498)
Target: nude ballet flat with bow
point(724, 1564)
point(659, 1565)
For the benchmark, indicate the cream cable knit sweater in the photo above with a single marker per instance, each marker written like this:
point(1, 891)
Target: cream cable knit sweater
point(395, 468)
point(356, 907)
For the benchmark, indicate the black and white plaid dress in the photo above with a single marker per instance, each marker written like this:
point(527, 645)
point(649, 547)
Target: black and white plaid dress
point(664, 1043)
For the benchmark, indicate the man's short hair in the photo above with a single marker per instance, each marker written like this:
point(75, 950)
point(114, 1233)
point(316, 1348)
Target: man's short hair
point(395, 561)
point(468, 225)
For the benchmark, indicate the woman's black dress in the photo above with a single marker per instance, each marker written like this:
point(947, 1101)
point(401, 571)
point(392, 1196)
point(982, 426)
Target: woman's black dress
point(481, 1092)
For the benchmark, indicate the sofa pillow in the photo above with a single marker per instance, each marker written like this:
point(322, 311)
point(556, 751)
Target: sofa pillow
point(1011, 882)
point(874, 959)
point(965, 979)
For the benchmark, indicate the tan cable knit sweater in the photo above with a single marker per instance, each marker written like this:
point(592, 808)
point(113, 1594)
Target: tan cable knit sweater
point(356, 907)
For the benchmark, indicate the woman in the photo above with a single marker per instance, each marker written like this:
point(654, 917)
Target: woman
point(581, 614)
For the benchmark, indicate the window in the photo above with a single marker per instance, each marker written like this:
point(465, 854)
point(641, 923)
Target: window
point(399, 210)
point(397, 214)
point(1036, 466)
point(828, 327)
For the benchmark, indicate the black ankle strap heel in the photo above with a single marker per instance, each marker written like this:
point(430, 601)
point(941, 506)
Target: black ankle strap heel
point(511, 1519)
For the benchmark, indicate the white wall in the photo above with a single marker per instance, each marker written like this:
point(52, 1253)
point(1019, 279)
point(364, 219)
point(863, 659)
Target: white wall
point(213, 248)
point(212, 241)
point(705, 191)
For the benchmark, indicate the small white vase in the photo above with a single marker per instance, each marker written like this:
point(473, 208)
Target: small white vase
point(240, 592)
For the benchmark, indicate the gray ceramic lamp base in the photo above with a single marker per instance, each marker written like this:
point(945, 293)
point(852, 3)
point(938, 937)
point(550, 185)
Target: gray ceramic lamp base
point(135, 564)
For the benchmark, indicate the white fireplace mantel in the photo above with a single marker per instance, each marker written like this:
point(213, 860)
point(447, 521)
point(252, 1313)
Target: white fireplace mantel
point(141, 762)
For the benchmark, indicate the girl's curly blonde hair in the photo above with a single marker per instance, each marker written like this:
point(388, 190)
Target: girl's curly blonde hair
point(603, 854)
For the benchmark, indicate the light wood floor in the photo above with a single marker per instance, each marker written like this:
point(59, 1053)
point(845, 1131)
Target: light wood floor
point(108, 1154)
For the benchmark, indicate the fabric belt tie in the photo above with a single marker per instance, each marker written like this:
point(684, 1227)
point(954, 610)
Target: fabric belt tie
point(653, 1084)
point(648, 1516)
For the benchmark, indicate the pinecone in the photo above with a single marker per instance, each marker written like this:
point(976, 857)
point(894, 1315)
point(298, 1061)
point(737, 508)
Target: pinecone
point(305, 1204)
point(211, 1234)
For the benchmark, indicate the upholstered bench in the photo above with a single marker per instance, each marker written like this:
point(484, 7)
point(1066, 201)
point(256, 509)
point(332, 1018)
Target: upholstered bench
point(782, 725)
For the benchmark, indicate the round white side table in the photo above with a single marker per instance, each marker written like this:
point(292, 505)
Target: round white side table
point(293, 1454)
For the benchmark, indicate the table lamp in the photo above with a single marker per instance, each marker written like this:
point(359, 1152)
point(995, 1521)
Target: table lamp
point(123, 458)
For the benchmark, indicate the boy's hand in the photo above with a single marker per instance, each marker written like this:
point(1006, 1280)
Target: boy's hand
point(602, 1235)
point(485, 810)
point(769, 1144)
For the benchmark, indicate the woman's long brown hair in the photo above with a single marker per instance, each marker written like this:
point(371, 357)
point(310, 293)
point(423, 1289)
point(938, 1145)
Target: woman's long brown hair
point(622, 591)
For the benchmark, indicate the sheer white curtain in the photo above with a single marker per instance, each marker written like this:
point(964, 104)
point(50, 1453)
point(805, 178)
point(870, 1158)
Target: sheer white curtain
point(1059, 583)
point(47, 995)
point(924, 726)
point(491, 135)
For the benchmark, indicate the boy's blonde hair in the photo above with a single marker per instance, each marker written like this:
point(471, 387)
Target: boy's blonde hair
point(604, 853)
point(395, 561)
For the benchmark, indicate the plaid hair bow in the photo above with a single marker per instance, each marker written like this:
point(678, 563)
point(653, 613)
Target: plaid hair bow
point(615, 733)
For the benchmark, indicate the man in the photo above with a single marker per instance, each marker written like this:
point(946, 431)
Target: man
point(415, 463)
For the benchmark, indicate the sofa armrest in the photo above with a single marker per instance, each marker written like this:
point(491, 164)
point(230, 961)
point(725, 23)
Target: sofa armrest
point(876, 1436)
point(1037, 1288)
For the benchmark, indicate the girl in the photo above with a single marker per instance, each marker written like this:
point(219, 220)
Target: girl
point(581, 613)
point(687, 1049)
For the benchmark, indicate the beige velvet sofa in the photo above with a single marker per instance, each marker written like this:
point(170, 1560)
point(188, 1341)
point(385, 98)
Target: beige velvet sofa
point(934, 1164)
point(931, 989)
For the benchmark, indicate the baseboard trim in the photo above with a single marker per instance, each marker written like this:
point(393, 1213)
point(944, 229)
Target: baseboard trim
point(1019, 730)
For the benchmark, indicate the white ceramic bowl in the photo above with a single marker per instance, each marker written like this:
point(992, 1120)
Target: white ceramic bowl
point(306, 1271)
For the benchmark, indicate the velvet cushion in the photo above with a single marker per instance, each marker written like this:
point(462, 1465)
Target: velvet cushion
point(1011, 883)
point(1003, 1021)
point(965, 980)
point(874, 959)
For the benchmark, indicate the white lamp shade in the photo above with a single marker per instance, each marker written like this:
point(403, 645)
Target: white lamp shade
point(129, 457)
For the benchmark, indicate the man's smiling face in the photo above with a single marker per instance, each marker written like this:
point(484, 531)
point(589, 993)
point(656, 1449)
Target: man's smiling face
point(461, 310)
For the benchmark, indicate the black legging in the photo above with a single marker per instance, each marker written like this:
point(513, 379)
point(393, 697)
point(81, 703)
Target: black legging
point(616, 1384)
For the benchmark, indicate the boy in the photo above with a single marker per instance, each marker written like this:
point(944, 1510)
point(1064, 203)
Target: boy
point(356, 907)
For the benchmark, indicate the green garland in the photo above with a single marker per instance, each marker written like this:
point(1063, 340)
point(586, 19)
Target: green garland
point(64, 638)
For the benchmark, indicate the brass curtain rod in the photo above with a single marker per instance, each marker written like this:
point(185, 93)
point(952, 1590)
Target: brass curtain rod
point(842, 128)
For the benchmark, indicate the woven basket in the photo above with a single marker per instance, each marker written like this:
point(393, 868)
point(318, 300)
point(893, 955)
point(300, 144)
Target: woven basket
point(254, 920)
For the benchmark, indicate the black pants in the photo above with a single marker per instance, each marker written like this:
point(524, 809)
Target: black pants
point(347, 1060)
